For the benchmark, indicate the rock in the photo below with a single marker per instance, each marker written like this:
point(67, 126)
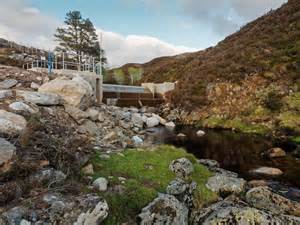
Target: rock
point(34, 85)
point(13, 216)
point(57, 207)
point(76, 92)
point(111, 136)
point(181, 137)
point(88, 169)
point(88, 127)
point(225, 185)
point(101, 117)
point(5, 94)
point(183, 191)
point(229, 212)
point(21, 107)
point(25, 222)
point(44, 99)
point(181, 167)
point(170, 126)
point(76, 114)
point(211, 164)
point(11, 124)
point(164, 210)
point(137, 120)
point(100, 184)
point(8, 83)
point(257, 183)
point(7, 150)
point(93, 114)
point(263, 198)
point(152, 122)
point(275, 153)
point(137, 141)
point(94, 216)
point(200, 133)
point(48, 176)
point(267, 171)
point(224, 172)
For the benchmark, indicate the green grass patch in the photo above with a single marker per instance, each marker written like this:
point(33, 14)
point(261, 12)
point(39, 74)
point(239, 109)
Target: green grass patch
point(147, 173)
point(296, 140)
point(293, 101)
point(290, 121)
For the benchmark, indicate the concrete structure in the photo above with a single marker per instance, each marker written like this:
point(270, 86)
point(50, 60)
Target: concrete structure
point(160, 88)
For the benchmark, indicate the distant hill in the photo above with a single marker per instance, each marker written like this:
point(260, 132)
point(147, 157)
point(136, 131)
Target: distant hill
point(251, 77)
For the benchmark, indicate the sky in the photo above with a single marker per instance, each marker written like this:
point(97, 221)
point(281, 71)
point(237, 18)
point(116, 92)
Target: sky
point(134, 31)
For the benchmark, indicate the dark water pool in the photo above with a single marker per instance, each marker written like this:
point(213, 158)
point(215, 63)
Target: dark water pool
point(235, 152)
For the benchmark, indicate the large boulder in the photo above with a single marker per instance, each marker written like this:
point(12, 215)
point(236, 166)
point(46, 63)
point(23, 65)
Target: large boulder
point(5, 94)
point(7, 150)
point(43, 99)
point(226, 185)
point(77, 114)
point(8, 83)
point(11, 124)
point(267, 171)
point(181, 167)
point(76, 92)
point(137, 120)
point(275, 153)
point(228, 212)
point(21, 107)
point(152, 121)
point(263, 198)
point(164, 210)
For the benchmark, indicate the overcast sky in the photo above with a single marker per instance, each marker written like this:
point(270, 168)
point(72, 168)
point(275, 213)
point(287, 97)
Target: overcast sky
point(134, 30)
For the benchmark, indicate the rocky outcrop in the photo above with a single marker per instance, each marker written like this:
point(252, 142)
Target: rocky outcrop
point(76, 92)
point(263, 198)
point(11, 124)
point(164, 210)
point(181, 167)
point(38, 98)
point(225, 185)
point(229, 212)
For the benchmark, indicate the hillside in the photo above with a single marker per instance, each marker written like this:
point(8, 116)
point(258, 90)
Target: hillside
point(251, 77)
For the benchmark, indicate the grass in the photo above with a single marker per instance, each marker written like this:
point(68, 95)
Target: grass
point(236, 124)
point(290, 121)
point(147, 173)
point(296, 140)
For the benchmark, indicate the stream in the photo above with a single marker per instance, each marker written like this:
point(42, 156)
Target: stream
point(239, 153)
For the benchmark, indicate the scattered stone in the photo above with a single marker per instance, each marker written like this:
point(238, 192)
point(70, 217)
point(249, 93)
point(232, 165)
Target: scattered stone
point(48, 176)
point(152, 122)
point(170, 126)
point(34, 85)
point(225, 185)
point(76, 92)
point(13, 216)
point(104, 156)
point(44, 99)
point(110, 136)
point(88, 127)
point(165, 209)
point(88, 169)
point(21, 107)
point(76, 113)
point(100, 184)
point(264, 199)
point(210, 163)
point(276, 153)
point(8, 83)
point(11, 124)
point(181, 167)
point(5, 94)
point(93, 114)
point(25, 222)
point(137, 120)
point(137, 141)
point(200, 133)
point(267, 171)
point(7, 150)
point(94, 216)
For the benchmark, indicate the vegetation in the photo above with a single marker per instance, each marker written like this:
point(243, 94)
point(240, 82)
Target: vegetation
point(78, 36)
point(146, 172)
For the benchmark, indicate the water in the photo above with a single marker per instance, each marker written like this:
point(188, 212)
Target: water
point(237, 152)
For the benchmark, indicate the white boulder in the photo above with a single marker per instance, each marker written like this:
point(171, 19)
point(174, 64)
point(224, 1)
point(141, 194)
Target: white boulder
point(100, 184)
point(45, 99)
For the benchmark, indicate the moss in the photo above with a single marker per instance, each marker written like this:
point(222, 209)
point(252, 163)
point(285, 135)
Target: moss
point(235, 124)
point(290, 121)
point(296, 139)
point(147, 173)
point(293, 101)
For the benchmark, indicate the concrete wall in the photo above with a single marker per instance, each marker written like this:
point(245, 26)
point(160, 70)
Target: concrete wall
point(161, 88)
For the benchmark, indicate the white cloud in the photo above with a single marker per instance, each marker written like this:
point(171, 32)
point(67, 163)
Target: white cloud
point(226, 16)
point(25, 24)
point(136, 49)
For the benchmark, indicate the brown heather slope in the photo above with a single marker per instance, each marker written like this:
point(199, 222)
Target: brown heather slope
point(250, 81)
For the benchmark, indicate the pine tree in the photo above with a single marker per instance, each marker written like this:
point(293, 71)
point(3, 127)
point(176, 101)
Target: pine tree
point(78, 36)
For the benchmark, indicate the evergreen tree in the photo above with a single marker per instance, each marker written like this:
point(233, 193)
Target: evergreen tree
point(78, 36)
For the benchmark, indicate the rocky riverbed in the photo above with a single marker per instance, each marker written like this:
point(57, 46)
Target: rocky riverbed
point(63, 161)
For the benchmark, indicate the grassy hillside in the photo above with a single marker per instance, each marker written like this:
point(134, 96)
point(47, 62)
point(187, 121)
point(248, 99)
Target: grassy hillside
point(250, 79)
